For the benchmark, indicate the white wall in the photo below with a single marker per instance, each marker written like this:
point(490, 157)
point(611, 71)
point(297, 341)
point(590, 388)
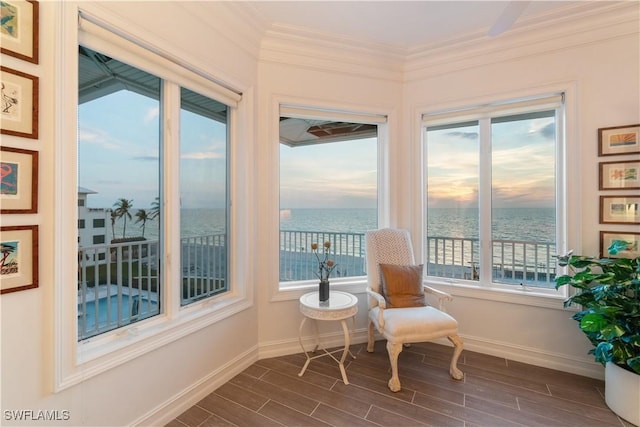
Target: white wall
point(155, 385)
point(145, 388)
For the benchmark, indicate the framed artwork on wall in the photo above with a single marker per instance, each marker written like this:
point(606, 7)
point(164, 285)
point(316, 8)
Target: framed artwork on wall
point(18, 258)
point(19, 31)
point(619, 209)
point(620, 175)
point(619, 140)
point(19, 112)
point(632, 250)
point(18, 181)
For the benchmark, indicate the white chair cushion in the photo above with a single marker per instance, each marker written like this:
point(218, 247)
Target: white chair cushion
point(414, 324)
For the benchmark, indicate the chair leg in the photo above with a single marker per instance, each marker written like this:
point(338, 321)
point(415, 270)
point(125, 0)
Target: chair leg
point(372, 338)
point(453, 368)
point(394, 350)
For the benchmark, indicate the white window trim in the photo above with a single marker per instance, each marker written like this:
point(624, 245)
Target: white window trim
point(75, 362)
point(304, 108)
point(567, 198)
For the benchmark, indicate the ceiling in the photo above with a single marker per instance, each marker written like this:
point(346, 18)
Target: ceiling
point(406, 25)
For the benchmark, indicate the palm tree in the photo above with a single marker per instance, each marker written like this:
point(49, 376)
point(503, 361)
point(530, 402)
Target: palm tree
point(123, 206)
point(143, 216)
point(114, 216)
point(155, 209)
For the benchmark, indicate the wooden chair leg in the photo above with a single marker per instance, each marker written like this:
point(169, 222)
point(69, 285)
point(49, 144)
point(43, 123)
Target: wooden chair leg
point(394, 350)
point(453, 368)
point(372, 339)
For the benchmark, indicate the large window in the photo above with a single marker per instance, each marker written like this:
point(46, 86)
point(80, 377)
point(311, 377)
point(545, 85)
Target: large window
point(328, 193)
point(492, 216)
point(121, 159)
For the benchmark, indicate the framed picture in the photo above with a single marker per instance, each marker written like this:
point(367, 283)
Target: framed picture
point(618, 140)
point(619, 209)
point(19, 112)
point(608, 237)
point(19, 258)
point(18, 180)
point(20, 29)
point(620, 175)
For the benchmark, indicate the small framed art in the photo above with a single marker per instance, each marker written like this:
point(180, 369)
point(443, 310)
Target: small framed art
point(19, 112)
point(18, 258)
point(18, 181)
point(619, 209)
point(633, 244)
point(620, 175)
point(619, 140)
point(19, 31)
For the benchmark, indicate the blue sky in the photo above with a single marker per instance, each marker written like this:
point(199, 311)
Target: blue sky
point(119, 158)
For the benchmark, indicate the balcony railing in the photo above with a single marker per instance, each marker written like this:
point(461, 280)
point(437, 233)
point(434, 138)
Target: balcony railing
point(514, 261)
point(119, 283)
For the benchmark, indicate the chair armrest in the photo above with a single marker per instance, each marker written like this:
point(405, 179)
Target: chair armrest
point(441, 295)
point(382, 304)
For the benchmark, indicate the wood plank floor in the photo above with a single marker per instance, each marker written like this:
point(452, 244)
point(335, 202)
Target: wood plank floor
point(494, 392)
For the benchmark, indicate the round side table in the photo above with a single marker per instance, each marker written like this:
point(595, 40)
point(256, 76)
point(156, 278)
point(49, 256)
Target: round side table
point(340, 306)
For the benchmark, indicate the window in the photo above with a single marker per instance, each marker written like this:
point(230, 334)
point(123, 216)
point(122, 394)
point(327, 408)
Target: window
point(140, 117)
point(492, 216)
point(98, 223)
point(203, 196)
point(81, 223)
point(328, 191)
point(98, 240)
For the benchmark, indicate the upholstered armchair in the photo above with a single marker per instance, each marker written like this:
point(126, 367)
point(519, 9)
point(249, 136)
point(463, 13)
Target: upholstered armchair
point(398, 307)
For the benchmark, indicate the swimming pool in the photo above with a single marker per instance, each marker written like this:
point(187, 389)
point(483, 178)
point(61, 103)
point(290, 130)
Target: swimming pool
point(129, 307)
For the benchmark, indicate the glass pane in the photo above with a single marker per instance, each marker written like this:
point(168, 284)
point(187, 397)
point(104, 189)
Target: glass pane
point(118, 182)
point(452, 248)
point(328, 193)
point(524, 199)
point(203, 196)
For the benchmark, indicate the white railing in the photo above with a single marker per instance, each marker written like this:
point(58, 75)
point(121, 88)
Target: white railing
point(297, 262)
point(117, 285)
point(514, 261)
point(204, 267)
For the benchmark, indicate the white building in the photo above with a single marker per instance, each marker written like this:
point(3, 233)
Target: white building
point(92, 222)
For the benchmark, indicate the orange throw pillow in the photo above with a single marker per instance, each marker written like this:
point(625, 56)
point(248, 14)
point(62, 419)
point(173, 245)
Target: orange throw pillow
point(402, 285)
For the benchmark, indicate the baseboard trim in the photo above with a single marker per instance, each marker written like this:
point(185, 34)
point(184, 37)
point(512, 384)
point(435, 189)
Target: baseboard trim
point(180, 402)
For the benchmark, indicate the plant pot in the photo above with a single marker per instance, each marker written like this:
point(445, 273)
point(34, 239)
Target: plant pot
point(622, 392)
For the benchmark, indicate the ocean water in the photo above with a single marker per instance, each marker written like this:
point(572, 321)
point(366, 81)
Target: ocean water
point(527, 224)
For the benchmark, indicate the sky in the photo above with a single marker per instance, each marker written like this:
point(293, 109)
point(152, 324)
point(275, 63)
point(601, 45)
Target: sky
point(119, 153)
point(119, 158)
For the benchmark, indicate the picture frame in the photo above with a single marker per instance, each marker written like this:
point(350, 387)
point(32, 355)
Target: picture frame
point(632, 251)
point(619, 175)
point(20, 29)
point(18, 258)
point(18, 181)
point(617, 140)
point(19, 112)
point(620, 209)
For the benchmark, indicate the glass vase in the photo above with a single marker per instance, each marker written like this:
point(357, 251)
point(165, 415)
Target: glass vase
point(323, 289)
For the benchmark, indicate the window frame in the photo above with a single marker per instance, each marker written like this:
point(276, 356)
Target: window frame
point(567, 177)
point(76, 361)
point(297, 107)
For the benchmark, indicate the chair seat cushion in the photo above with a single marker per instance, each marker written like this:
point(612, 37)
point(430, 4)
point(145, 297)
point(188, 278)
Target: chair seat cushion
point(414, 324)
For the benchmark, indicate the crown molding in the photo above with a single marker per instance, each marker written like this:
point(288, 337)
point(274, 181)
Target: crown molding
point(330, 52)
point(587, 23)
point(577, 24)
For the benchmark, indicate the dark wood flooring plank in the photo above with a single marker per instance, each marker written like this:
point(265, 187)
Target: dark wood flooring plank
point(288, 416)
point(194, 416)
point(233, 412)
point(511, 414)
point(390, 419)
point(336, 417)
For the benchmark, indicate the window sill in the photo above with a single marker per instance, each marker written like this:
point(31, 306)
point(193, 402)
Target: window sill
point(549, 298)
point(294, 290)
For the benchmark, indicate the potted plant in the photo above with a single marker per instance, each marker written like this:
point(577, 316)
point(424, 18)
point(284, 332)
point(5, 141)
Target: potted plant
point(608, 292)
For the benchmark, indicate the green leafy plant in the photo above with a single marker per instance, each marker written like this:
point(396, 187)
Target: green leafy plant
point(608, 291)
